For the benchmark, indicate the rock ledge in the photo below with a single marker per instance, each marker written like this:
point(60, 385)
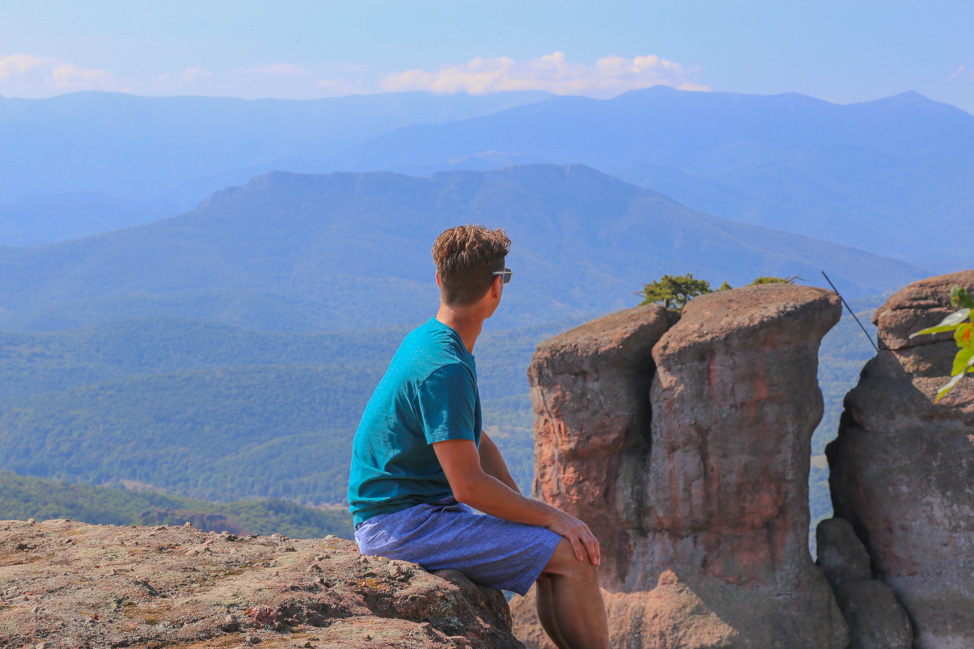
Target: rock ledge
point(68, 584)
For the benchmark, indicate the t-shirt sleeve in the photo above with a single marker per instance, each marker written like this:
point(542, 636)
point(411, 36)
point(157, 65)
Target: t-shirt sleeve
point(447, 404)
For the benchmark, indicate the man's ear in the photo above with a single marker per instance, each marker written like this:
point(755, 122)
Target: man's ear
point(438, 280)
point(496, 286)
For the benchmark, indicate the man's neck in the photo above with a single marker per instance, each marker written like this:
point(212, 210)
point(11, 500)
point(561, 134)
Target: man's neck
point(466, 322)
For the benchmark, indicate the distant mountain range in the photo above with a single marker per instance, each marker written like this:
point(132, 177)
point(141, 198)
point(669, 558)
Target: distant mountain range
point(350, 251)
point(99, 160)
point(59, 217)
point(894, 176)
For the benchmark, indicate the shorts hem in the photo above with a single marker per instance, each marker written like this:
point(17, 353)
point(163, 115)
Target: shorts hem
point(523, 586)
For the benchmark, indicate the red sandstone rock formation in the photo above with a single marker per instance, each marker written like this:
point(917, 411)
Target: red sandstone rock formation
point(65, 584)
point(902, 468)
point(590, 392)
point(705, 514)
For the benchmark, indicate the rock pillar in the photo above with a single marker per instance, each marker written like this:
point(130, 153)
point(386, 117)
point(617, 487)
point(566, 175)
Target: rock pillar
point(902, 468)
point(701, 498)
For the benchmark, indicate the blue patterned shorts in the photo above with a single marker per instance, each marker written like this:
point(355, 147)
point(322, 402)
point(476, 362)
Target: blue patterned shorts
point(448, 535)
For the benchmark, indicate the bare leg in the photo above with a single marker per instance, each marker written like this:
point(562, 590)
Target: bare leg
point(546, 611)
point(576, 601)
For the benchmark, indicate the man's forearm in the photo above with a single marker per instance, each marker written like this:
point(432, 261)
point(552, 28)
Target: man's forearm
point(493, 462)
point(461, 462)
point(491, 496)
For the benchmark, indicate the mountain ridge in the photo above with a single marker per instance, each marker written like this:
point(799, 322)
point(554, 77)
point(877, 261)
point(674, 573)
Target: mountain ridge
point(863, 175)
point(858, 174)
point(267, 252)
point(134, 147)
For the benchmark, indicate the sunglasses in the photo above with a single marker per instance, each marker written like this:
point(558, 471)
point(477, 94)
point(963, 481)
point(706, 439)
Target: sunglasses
point(506, 274)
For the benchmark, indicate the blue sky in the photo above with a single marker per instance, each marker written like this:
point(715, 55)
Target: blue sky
point(840, 51)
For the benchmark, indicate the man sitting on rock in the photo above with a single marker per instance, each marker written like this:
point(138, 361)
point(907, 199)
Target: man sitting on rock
point(420, 461)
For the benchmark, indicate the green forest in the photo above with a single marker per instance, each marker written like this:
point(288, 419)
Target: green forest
point(218, 412)
point(23, 497)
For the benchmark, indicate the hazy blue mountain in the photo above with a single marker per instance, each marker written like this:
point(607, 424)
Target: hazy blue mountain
point(350, 251)
point(59, 217)
point(171, 152)
point(869, 175)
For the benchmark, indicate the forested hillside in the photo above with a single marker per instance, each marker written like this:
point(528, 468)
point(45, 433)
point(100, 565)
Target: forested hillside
point(351, 251)
point(23, 497)
point(220, 412)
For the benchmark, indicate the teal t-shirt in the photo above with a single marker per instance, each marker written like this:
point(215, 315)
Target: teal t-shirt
point(428, 394)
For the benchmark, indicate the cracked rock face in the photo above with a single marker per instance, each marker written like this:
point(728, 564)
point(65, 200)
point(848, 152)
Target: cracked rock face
point(67, 584)
point(902, 468)
point(702, 497)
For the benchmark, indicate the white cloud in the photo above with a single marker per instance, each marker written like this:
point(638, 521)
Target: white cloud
point(18, 64)
point(959, 71)
point(68, 76)
point(279, 70)
point(192, 78)
point(33, 75)
point(339, 87)
point(195, 73)
point(609, 76)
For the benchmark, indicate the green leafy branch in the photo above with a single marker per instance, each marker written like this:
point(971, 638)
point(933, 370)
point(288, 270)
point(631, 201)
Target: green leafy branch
point(961, 322)
point(674, 291)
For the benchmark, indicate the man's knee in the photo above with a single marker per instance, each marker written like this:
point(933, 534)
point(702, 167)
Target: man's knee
point(564, 563)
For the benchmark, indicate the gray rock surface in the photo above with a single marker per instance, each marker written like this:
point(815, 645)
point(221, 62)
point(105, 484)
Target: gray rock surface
point(902, 467)
point(876, 620)
point(841, 555)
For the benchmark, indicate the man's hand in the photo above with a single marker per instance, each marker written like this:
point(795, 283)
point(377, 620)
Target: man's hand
point(578, 534)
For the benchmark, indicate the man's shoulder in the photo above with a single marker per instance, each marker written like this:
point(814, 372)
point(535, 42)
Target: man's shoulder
point(453, 372)
point(427, 349)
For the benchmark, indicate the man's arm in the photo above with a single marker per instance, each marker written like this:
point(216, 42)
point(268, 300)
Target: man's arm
point(492, 462)
point(471, 485)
